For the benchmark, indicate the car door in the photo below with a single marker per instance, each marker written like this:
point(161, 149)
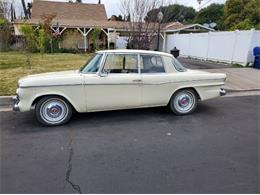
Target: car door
point(117, 86)
point(155, 89)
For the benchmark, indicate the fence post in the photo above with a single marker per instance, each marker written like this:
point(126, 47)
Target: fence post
point(189, 45)
point(249, 53)
point(208, 44)
point(234, 46)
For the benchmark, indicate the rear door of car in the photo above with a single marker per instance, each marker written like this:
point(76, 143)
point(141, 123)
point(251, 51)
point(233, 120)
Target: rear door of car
point(155, 86)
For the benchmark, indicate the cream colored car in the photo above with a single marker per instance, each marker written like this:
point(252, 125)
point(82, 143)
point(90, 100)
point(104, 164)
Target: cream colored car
point(117, 79)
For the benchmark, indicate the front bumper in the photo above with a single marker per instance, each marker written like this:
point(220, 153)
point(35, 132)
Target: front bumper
point(15, 103)
point(222, 92)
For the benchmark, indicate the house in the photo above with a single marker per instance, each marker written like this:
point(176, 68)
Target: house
point(75, 21)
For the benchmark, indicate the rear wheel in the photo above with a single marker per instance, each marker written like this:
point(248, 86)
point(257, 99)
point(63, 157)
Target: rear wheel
point(184, 102)
point(53, 111)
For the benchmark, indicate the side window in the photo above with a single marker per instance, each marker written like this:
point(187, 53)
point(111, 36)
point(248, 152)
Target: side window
point(151, 64)
point(121, 63)
point(93, 64)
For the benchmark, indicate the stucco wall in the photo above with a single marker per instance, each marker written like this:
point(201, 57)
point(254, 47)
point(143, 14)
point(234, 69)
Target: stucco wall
point(71, 39)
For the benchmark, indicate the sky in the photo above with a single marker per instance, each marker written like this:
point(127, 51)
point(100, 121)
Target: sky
point(113, 6)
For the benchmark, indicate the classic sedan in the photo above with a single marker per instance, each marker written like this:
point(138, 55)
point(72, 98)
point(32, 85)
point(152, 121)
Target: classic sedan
point(117, 79)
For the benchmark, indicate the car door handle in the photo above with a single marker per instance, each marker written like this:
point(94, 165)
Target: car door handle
point(137, 80)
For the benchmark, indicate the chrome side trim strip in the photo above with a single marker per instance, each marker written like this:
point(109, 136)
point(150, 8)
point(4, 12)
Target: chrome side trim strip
point(31, 86)
point(130, 83)
point(161, 83)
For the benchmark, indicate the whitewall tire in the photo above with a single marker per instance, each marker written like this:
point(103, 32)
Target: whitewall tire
point(184, 102)
point(53, 111)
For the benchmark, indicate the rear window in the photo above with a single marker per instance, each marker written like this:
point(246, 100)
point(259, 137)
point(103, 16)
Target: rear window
point(178, 66)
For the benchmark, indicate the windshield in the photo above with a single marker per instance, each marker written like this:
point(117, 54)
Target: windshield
point(178, 66)
point(92, 65)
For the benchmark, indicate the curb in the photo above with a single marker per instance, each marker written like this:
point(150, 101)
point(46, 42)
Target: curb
point(6, 100)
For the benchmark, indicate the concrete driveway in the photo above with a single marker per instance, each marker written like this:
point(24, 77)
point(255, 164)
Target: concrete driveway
point(238, 79)
point(192, 63)
point(215, 150)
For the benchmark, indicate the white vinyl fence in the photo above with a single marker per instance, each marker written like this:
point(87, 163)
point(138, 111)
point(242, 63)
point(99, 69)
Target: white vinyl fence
point(227, 46)
point(121, 42)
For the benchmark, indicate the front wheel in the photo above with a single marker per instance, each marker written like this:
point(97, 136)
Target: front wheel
point(183, 102)
point(53, 111)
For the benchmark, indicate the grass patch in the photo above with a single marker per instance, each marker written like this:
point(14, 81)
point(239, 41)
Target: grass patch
point(238, 66)
point(13, 66)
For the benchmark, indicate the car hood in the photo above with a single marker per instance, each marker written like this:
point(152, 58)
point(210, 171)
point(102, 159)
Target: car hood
point(72, 77)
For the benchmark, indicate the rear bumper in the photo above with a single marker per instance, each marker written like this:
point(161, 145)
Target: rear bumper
point(15, 104)
point(222, 92)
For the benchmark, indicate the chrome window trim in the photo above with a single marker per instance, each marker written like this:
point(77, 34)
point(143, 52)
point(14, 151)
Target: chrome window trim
point(101, 64)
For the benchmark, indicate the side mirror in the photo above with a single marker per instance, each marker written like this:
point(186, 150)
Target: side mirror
point(103, 74)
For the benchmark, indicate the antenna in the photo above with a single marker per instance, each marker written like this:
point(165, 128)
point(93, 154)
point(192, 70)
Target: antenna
point(199, 2)
point(212, 25)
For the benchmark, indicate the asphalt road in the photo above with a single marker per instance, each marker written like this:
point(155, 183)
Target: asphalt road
point(215, 150)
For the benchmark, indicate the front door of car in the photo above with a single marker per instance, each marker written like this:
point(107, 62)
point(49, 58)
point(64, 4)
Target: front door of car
point(155, 89)
point(117, 86)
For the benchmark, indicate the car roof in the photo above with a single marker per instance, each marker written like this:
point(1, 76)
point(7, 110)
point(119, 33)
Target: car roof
point(135, 51)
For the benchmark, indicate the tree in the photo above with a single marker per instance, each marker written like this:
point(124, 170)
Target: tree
point(13, 14)
point(173, 13)
point(78, 1)
point(38, 39)
point(5, 10)
point(94, 37)
point(5, 34)
point(120, 18)
point(242, 14)
point(141, 34)
point(5, 30)
point(30, 42)
point(212, 13)
point(24, 9)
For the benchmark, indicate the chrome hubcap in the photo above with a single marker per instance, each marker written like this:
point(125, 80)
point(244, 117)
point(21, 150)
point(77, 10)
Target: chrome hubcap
point(184, 102)
point(54, 111)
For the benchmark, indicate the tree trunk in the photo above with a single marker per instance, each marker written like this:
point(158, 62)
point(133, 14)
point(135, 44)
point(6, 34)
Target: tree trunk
point(24, 9)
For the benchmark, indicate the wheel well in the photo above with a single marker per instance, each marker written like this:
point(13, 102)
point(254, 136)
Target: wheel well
point(40, 97)
point(190, 88)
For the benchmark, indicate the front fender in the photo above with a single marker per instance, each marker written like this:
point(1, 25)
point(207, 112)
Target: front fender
point(74, 95)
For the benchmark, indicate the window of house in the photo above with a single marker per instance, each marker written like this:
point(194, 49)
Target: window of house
point(121, 63)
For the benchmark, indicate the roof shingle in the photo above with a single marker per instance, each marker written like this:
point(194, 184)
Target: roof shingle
point(69, 11)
